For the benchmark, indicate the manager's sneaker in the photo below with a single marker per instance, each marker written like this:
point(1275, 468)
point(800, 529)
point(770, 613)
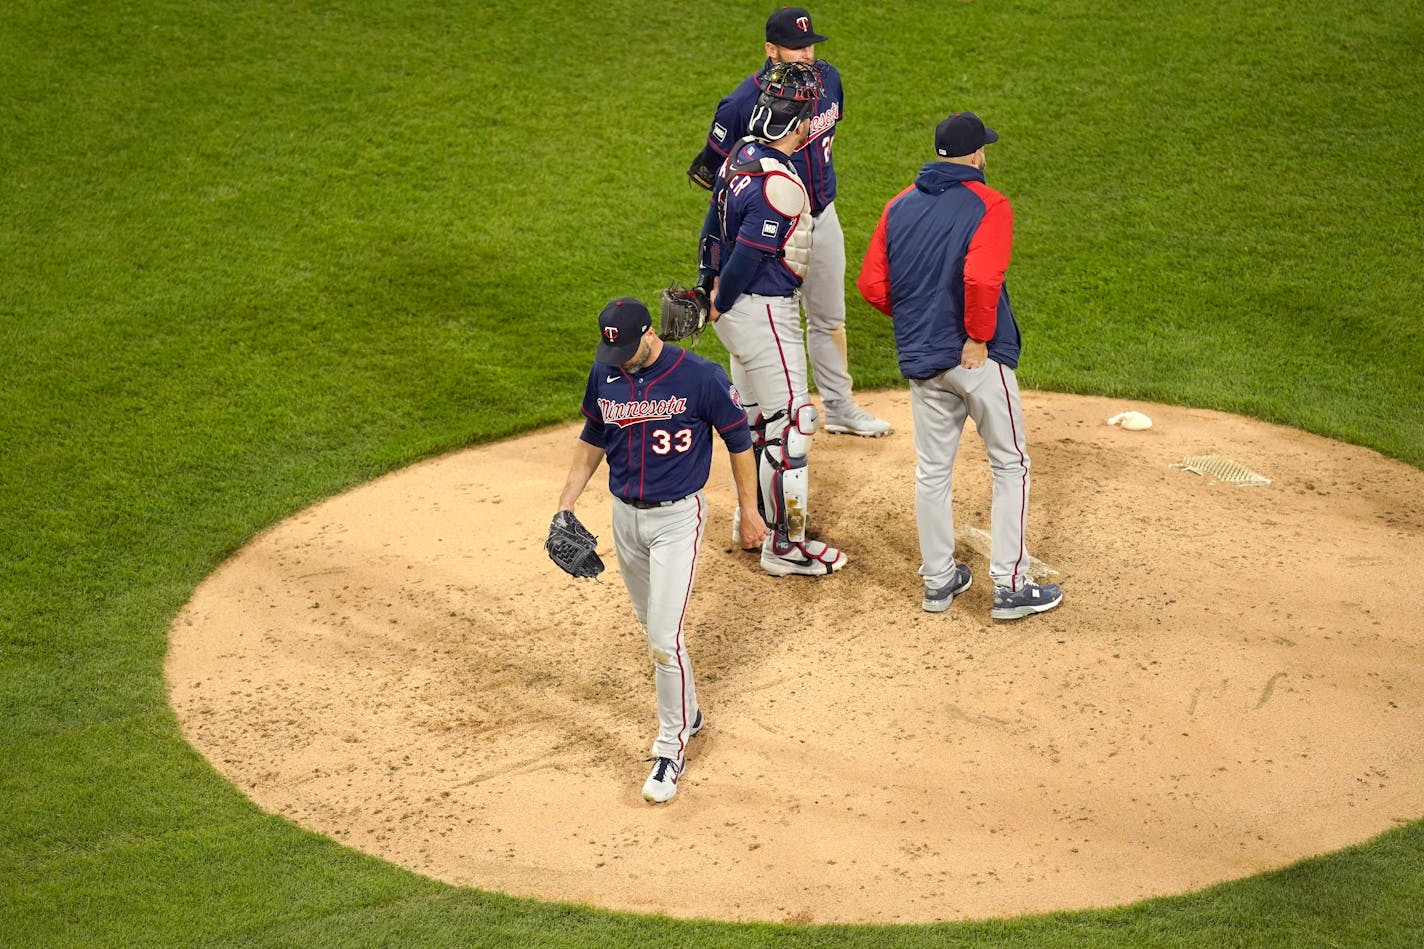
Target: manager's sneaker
point(847, 418)
point(937, 601)
point(1033, 598)
point(662, 783)
point(782, 558)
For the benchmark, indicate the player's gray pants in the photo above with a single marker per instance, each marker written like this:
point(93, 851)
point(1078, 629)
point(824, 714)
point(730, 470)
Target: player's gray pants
point(768, 360)
point(823, 296)
point(657, 555)
point(938, 407)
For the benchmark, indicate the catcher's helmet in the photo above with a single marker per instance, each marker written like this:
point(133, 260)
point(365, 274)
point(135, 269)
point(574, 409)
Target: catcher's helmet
point(788, 94)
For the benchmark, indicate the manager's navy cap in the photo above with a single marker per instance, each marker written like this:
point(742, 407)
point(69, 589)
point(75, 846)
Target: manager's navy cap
point(791, 27)
point(622, 325)
point(963, 133)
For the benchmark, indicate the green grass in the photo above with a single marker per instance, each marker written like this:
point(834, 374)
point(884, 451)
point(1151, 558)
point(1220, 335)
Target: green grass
point(252, 254)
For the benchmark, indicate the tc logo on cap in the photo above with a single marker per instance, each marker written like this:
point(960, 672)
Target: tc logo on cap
point(803, 23)
point(610, 333)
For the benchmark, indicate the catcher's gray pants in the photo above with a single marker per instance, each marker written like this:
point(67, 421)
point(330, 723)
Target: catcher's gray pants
point(768, 362)
point(657, 555)
point(938, 407)
point(823, 296)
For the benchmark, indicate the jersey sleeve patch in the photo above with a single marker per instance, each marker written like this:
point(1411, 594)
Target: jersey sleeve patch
point(769, 228)
point(785, 195)
point(719, 131)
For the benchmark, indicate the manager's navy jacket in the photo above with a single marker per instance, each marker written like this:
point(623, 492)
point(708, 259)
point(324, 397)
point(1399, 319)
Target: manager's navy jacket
point(936, 266)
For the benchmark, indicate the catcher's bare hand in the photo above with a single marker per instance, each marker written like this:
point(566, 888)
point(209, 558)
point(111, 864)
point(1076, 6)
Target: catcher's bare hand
point(753, 528)
point(572, 547)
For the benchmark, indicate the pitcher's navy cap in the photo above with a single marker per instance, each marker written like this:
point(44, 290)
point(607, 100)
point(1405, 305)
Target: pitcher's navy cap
point(622, 325)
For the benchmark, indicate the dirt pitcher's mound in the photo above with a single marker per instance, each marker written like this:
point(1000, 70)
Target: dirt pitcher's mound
point(1235, 680)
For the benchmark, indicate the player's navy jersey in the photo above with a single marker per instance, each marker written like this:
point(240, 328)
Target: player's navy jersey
point(813, 160)
point(655, 425)
point(743, 212)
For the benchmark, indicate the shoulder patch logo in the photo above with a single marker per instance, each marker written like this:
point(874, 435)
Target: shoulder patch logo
point(719, 131)
point(769, 228)
point(736, 396)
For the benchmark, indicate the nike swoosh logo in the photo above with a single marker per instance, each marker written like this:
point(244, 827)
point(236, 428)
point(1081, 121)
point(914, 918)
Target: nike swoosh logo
point(612, 378)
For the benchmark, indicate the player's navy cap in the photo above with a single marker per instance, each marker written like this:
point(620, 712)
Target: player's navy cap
point(963, 133)
point(622, 325)
point(791, 27)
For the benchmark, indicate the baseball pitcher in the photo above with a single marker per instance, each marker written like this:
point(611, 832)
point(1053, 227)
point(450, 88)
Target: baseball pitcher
point(651, 409)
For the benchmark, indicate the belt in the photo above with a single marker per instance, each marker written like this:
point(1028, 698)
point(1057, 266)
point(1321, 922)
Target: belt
point(642, 505)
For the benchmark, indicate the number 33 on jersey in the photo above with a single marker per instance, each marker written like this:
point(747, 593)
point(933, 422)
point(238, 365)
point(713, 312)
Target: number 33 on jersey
point(655, 425)
point(663, 442)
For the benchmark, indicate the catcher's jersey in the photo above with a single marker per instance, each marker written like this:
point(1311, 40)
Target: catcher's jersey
point(813, 160)
point(744, 211)
point(655, 425)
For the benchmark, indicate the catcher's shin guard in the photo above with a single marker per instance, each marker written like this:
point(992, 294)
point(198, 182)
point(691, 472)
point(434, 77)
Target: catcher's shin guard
point(783, 473)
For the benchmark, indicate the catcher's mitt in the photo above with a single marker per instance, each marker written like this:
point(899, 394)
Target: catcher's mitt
point(684, 313)
point(572, 547)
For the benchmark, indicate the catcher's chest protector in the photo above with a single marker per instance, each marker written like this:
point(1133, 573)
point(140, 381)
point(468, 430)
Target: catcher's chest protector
point(788, 196)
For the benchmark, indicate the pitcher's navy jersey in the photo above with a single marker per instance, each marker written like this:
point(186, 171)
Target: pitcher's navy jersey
point(813, 160)
point(655, 425)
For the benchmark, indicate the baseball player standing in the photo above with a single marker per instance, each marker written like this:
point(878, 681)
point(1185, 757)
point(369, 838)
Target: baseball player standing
point(936, 266)
point(790, 38)
point(650, 408)
point(756, 243)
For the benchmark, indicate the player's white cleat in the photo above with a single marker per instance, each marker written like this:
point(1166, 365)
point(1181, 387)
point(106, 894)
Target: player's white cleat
point(811, 558)
point(662, 783)
point(937, 601)
point(847, 418)
point(1032, 598)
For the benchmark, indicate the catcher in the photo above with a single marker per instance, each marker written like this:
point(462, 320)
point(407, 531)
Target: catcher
point(651, 408)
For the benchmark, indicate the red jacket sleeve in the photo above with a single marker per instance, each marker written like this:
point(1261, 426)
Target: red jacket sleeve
point(985, 263)
point(874, 279)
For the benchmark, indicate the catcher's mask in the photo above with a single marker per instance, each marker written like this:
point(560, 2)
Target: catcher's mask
point(788, 94)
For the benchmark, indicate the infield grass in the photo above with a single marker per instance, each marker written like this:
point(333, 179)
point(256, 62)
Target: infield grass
point(252, 254)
